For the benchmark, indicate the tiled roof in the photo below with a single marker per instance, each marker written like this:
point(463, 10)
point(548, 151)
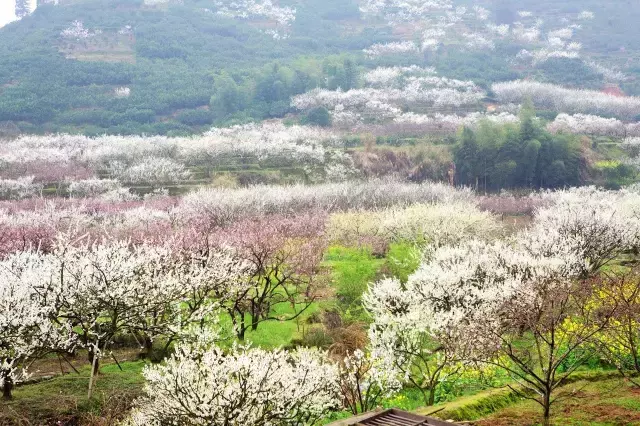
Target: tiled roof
point(399, 418)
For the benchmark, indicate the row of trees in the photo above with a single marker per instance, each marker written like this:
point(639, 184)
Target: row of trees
point(36, 222)
point(570, 101)
point(159, 160)
point(84, 293)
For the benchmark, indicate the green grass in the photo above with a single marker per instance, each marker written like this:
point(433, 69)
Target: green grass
point(402, 260)
point(610, 401)
point(275, 334)
point(475, 406)
point(65, 397)
point(503, 404)
point(352, 271)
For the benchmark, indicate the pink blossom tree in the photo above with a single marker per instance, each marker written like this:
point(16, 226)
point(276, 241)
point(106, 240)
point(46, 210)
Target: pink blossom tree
point(284, 255)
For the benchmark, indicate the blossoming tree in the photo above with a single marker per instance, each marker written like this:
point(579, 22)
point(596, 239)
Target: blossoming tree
point(252, 387)
point(29, 324)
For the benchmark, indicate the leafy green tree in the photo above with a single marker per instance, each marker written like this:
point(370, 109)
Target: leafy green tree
point(350, 75)
point(497, 156)
point(318, 116)
point(503, 174)
point(197, 117)
point(528, 130)
point(229, 98)
point(557, 174)
point(529, 162)
point(466, 157)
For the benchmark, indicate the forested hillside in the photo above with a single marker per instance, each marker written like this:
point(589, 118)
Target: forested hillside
point(177, 67)
point(61, 66)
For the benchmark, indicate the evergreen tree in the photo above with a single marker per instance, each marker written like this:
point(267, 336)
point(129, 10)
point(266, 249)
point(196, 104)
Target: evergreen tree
point(318, 116)
point(350, 75)
point(229, 98)
point(529, 162)
point(527, 127)
point(465, 158)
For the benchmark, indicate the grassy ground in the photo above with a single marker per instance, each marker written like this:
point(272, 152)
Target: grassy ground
point(609, 402)
point(63, 400)
point(275, 334)
point(352, 270)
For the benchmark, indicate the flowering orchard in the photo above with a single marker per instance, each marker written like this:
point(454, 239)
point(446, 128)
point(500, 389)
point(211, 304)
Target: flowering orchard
point(570, 101)
point(196, 276)
point(437, 24)
point(530, 296)
point(399, 94)
point(73, 165)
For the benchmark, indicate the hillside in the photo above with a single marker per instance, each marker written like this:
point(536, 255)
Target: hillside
point(177, 67)
point(173, 57)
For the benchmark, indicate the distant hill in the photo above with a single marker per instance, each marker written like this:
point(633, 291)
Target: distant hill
point(177, 67)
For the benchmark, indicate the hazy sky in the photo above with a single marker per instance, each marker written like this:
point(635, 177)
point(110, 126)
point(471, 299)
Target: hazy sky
point(7, 12)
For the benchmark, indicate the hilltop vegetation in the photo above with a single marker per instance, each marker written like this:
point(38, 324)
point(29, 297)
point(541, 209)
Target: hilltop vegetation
point(174, 57)
point(182, 66)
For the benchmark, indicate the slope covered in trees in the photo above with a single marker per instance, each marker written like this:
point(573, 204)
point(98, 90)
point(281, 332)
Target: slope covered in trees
point(168, 67)
point(62, 65)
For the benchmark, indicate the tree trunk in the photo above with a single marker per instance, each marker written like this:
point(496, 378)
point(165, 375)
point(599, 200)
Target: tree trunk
point(90, 356)
point(429, 396)
point(148, 346)
point(546, 405)
point(255, 319)
point(255, 315)
point(242, 329)
point(8, 387)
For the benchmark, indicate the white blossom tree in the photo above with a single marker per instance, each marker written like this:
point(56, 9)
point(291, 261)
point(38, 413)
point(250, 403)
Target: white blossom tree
point(155, 171)
point(570, 101)
point(516, 309)
point(588, 125)
point(106, 288)
point(593, 225)
point(404, 341)
point(365, 380)
point(29, 324)
point(92, 187)
point(18, 189)
point(213, 280)
point(427, 226)
point(244, 9)
point(251, 387)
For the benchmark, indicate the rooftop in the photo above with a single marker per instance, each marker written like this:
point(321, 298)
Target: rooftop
point(395, 417)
